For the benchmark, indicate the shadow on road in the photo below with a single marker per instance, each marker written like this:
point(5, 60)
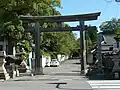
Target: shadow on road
point(76, 71)
point(76, 63)
point(74, 89)
point(37, 80)
point(58, 85)
point(66, 74)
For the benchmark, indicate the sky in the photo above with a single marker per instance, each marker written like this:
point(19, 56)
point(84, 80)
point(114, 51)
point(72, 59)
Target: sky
point(109, 9)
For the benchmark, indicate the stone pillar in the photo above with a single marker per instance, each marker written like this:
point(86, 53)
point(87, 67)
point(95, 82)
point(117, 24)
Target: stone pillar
point(116, 60)
point(17, 71)
point(99, 49)
point(30, 60)
point(4, 44)
point(83, 48)
point(116, 67)
point(59, 57)
point(14, 51)
point(3, 71)
point(38, 57)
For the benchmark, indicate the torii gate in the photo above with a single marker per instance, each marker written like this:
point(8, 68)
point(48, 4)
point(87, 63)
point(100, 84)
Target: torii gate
point(59, 19)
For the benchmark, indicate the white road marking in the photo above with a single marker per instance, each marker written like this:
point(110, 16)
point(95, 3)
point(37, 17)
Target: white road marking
point(105, 84)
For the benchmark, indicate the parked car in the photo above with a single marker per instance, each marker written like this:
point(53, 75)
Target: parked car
point(54, 62)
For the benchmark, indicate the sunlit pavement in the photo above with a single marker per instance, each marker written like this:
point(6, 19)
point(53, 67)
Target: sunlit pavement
point(65, 77)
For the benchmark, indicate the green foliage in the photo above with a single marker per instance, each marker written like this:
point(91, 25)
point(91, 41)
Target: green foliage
point(10, 10)
point(117, 34)
point(59, 42)
point(10, 25)
point(13, 28)
point(110, 26)
point(91, 39)
point(24, 46)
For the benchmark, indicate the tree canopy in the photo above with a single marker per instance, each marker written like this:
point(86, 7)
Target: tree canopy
point(12, 28)
point(110, 26)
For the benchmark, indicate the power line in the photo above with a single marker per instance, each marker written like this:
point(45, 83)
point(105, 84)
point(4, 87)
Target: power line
point(117, 10)
point(106, 7)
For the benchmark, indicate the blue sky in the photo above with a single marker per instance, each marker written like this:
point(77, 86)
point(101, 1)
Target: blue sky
point(108, 10)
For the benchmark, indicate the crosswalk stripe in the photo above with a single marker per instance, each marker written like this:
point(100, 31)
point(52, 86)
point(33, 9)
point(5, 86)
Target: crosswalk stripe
point(105, 81)
point(109, 87)
point(105, 84)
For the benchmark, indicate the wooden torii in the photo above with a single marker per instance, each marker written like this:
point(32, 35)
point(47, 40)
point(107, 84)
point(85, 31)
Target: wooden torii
point(59, 19)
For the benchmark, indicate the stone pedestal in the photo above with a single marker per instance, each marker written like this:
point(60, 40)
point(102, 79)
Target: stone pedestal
point(13, 73)
point(90, 58)
point(116, 67)
point(116, 60)
point(3, 72)
point(48, 60)
point(17, 71)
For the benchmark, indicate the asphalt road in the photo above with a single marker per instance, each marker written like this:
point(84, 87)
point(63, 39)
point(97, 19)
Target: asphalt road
point(69, 66)
point(65, 77)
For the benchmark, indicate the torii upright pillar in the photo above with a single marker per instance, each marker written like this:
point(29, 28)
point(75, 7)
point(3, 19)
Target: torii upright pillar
point(38, 61)
point(83, 48)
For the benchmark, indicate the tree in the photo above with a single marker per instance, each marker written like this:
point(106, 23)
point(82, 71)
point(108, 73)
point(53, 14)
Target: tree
point(110, 26)
point(11, 27)
point(59, 43)
point(92, 38)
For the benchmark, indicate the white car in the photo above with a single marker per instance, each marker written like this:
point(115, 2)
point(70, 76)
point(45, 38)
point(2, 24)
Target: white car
point(54, 62)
